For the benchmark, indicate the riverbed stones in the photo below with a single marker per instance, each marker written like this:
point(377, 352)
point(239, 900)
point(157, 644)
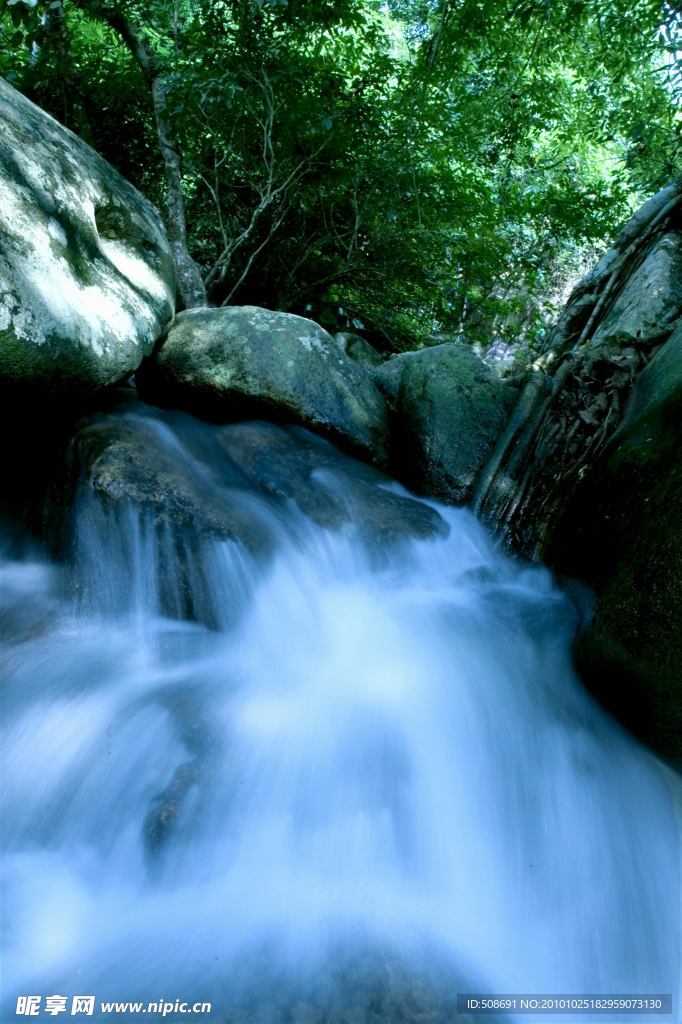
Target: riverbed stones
point(87, 280)
point(448, 409)
point(243, 361)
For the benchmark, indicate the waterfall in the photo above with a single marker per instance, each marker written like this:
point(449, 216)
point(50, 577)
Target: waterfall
point(343, 774)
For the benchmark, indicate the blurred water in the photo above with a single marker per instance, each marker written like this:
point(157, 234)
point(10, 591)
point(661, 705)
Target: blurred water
point(360, 766)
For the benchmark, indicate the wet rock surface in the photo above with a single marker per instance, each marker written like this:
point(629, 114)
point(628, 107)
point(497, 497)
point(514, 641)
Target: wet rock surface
point(206, 480)
point(365, 985)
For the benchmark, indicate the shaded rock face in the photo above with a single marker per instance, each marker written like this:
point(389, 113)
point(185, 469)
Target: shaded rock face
point(238, 362)
point(133, 458)
point(166, 489)
point(87, 280)
point(587, 473)
point(657, 391)
point(356, 348)
point(448, 411)
point(622, 533)
point(651, 300)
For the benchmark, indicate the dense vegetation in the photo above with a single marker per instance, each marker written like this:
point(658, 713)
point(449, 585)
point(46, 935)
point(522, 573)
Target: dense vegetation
point(411, 166)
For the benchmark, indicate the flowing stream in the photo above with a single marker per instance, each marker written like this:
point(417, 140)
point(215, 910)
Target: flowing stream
point(339, 772)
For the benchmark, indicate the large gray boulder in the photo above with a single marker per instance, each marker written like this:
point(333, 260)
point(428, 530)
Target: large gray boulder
point(622, 534)
point(242, 361)
point(87, 281)
point(448, 409)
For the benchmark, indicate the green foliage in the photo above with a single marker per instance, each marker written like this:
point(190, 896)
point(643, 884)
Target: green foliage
point(414, 166)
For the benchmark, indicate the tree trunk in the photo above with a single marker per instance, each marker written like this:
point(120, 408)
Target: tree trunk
point(190, 285)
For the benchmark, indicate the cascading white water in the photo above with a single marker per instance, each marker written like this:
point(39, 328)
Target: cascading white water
point(362, 771)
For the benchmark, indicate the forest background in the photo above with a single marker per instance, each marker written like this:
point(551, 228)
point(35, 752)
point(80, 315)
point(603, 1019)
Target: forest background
point(414, 170)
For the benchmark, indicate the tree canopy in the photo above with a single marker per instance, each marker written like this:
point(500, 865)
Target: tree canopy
point(408, 167)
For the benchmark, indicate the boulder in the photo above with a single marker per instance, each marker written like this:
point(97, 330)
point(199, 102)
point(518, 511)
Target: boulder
point(359, 982)
point(387, 377)
point(242, 361)
point(572, 403)
point(87, 280)
point(448, 409)
point(356, 348)
point(622, 534)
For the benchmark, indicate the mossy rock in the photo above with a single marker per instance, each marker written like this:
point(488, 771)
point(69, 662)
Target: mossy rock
point(243, 361)
point(448, 409)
